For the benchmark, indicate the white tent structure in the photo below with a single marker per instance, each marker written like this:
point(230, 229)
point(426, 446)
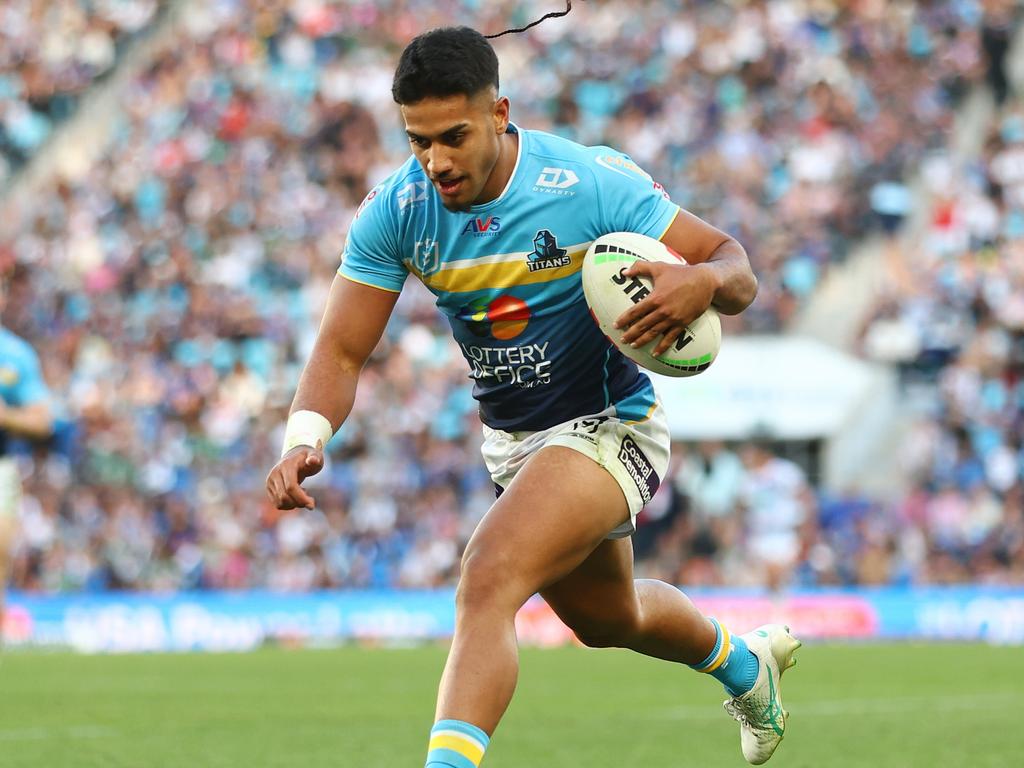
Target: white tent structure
point(789, 388)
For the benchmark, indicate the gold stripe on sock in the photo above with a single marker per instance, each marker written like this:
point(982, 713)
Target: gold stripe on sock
point(723, 653)
point(468, 749)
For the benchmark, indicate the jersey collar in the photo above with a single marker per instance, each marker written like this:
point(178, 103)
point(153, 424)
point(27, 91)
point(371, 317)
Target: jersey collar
point(520, 151)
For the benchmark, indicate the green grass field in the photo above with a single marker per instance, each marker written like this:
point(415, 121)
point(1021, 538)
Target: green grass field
point(864, 705)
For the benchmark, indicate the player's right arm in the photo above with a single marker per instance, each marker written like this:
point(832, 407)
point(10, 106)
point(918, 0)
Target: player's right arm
point(362, 297)
point(353, 322)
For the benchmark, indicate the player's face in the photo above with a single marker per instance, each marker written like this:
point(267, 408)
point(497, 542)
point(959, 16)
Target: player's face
point(457, 140)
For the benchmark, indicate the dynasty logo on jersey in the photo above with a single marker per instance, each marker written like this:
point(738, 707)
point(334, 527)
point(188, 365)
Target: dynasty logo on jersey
point(412, 193)
point(556, 181)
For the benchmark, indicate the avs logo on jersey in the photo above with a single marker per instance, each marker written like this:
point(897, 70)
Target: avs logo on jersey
point(546, 253)
point(483, 227)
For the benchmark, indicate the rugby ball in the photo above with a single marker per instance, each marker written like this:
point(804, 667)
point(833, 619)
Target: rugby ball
point(609, 293)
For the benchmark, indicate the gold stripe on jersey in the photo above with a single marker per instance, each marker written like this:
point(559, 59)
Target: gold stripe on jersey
point(369, 285)
point(673, 221)
point(497, 272)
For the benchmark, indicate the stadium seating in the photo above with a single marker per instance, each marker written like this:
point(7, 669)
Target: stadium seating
point(50, 55)
point(174, 290)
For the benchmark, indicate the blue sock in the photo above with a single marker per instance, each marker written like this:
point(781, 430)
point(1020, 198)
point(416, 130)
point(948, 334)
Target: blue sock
point(730, 662)
point(455, 744)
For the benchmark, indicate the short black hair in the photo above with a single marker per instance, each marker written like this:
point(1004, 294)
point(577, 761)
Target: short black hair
point(445, 62)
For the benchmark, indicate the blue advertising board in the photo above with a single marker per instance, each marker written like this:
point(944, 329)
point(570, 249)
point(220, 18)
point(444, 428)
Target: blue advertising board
point(235, 621)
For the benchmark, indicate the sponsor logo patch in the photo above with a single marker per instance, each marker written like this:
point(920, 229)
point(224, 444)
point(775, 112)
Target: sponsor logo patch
point(504, 317)
point(483, 227)
point(640, 469)
point(556, 181)
point(631, 286)
point(366, 201)
point(622, 165)
point(524, 366)
point(412, 193)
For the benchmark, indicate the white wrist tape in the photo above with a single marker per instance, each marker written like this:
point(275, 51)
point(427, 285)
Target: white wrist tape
point(306, 428)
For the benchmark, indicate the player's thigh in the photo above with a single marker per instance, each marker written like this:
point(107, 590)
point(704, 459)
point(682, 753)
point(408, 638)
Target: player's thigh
point(10, 503)
point(8, 532)
point(558, 509)
point(598, 599)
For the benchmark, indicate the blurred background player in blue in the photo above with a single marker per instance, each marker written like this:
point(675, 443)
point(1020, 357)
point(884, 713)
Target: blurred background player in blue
point(24, 414)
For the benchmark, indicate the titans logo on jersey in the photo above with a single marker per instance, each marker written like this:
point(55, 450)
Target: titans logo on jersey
point(506, 274)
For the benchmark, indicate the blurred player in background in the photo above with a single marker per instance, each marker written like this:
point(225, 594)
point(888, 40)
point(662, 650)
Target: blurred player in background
point(494, 220)
point(24, 413)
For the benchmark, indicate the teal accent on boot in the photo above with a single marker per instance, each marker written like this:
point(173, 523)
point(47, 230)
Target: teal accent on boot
point(738, 672)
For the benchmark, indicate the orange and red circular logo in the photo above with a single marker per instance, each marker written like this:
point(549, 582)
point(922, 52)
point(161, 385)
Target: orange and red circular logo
point(503, 318)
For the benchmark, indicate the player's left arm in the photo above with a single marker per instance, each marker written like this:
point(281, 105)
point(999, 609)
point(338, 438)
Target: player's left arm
point(717, 272)
point(33, 421)
point(30, 415)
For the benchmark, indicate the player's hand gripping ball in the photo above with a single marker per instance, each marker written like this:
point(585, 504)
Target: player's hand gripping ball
point(610, 292)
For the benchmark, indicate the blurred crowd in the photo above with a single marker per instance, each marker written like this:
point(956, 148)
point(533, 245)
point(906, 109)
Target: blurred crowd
point(745, 516)
point(174, 290)
point(51, 52)
point(952, 322)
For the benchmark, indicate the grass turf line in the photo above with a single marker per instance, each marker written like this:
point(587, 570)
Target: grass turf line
point(902, 706)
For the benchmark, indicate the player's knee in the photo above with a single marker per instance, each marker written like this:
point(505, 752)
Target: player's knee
point(488, 580)
point(613, 630)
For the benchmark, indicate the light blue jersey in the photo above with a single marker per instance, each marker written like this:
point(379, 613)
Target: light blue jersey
point(21, 382)
point(507, 275)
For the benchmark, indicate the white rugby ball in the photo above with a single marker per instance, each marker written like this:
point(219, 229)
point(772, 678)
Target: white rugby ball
point(610, 293)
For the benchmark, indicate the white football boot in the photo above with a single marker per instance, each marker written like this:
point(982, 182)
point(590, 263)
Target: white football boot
point(759, 711)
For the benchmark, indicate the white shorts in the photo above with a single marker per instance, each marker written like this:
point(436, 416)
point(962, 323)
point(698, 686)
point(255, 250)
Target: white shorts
point(780, 548)
point(10, 488)
point(635, 453)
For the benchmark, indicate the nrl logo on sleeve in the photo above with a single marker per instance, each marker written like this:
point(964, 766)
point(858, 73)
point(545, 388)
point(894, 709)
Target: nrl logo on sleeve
point(427, 256)
point(546, 253)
